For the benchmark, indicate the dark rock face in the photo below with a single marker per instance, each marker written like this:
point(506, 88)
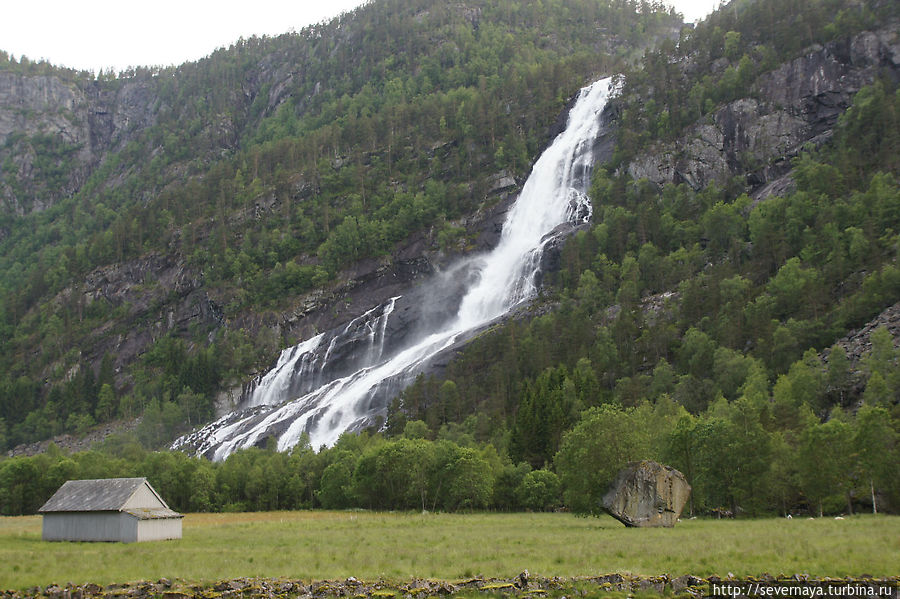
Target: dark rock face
point(82, 121)
point(795, 104)
point(159, 291)
point(857, 344)
point(647, 494)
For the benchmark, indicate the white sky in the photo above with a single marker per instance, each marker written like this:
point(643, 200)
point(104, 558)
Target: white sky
point(98, 34)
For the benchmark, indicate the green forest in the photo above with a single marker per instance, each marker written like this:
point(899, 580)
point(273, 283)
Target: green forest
point(699, 328)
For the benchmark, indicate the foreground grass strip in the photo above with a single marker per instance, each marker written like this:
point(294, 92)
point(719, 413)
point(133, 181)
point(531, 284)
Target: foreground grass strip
point(400, 547)
point(523, 586)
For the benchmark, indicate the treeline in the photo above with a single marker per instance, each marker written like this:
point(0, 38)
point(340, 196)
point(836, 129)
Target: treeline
point(364, 471)
point(735, 458)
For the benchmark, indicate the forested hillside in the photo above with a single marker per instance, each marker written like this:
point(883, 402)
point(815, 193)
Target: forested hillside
point(732, 310)
point(159, 228)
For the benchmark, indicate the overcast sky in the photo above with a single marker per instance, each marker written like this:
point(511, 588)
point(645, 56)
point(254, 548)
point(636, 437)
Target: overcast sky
point(98, 34)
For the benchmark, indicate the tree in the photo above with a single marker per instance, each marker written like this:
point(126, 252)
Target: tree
point(106, 403)
point(877, 392)
point(592, 453)
point(405, 466)
point(470, 483)
point(539, 491)
point(794, 288)
point(506, 486)
point(732, 45)
point(838, 374)
point(18, 493)
point(336, 485)
point(107, 373)
point(875, 442)
point(697, 353)
point(783, 472)
point(826, 462)
point(416, 429)
point(543, 414)
point(682, 451)
point(882, 355)
point(732, 457)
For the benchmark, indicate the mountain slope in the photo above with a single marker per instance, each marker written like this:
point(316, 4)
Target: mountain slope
point(741, 331)
point(732, 247)
point(183, 223)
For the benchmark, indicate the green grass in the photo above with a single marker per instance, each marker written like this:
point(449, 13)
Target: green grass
point(332, 545)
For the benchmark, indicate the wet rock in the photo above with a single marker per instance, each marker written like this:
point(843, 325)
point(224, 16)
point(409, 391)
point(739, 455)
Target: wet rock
point(647, 494)
point(500, 182)
point(555, 241)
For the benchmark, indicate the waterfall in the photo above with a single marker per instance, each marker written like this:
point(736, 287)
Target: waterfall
point(307, 393)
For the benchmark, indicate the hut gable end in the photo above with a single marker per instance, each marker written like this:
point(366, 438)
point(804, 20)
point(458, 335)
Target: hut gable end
point(145, 497)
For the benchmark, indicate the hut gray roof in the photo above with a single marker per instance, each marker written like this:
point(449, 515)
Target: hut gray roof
point(105, 495)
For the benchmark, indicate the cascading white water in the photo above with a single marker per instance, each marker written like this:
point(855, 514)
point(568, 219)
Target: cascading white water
point(553, 194)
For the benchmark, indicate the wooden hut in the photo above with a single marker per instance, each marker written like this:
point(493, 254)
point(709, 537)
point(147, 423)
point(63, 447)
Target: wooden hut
point(113, 509)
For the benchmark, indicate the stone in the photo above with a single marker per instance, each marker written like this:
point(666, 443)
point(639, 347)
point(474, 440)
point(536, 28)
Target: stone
point(647, 494)
point(523, 579)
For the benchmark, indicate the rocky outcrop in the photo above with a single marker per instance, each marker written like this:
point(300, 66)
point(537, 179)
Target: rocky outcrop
point(66, 126)
point(72, 443)
point(151, 296)
point(647, 494)
point(858, 343)
point(794, 105)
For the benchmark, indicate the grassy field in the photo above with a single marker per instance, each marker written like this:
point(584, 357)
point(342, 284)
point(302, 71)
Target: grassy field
point(331, 545)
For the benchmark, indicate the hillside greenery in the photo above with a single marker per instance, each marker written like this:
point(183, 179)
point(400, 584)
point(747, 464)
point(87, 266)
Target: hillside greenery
point(724, 315)
point(698, 328)
point(271, 166)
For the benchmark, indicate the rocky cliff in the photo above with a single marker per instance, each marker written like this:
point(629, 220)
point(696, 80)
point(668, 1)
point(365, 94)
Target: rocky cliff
point(53, 133)
point(756, 137)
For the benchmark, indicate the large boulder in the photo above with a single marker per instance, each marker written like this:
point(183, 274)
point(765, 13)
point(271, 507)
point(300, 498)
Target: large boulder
point(647, 494)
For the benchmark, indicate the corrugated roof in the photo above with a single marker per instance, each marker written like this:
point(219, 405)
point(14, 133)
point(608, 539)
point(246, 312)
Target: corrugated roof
point(146, 513)
point(99, 495)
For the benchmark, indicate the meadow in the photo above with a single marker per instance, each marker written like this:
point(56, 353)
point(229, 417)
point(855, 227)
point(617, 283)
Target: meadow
point(398, 546)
